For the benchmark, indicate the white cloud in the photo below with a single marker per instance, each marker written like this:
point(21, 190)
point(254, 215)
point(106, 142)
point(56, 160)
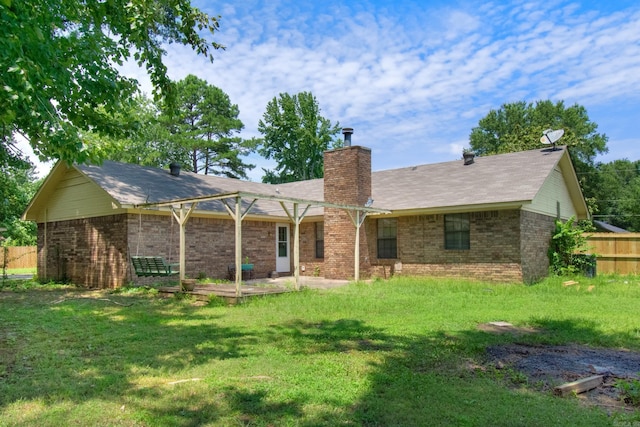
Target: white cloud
point(414, 84)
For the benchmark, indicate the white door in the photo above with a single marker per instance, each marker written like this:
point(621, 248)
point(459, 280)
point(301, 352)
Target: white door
point(282, 248)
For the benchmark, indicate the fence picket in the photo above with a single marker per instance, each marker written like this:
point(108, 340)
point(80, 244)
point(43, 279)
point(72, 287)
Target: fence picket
point(19, 256)
point(615, 252)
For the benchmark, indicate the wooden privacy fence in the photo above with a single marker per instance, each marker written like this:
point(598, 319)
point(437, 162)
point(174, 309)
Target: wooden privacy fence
point(18, 257)
point(615, 252)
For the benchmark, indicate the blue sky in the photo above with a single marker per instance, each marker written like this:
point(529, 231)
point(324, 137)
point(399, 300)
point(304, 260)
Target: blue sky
point(414, 77)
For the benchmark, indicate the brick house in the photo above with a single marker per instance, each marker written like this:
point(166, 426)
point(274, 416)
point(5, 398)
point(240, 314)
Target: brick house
point(488, 218)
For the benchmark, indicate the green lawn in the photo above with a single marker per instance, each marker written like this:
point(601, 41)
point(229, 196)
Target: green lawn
point(390, 353)
point(9, 271)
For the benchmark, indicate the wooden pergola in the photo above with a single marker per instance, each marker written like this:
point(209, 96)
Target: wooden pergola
point(233, 204)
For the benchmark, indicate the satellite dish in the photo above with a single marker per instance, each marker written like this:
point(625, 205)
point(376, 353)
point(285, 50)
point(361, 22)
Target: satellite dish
point(551, 136)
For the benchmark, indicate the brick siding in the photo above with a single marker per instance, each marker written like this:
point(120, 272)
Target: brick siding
point(347, 180)
point(537, 231)
point(506, 246)
point(95, 252)
point(89, 252)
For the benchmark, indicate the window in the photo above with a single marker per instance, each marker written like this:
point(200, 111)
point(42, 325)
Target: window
point(319, 240)
point(456, 231)
point(388, 238)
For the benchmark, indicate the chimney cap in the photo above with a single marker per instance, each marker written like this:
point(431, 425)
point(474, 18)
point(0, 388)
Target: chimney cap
point(347, 131)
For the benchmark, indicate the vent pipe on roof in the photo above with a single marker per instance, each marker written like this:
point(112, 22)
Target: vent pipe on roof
point(174, 169)
point(468, 157)
point(347, 136)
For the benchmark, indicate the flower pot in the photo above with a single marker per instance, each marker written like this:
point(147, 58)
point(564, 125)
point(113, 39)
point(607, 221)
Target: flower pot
point(246, 267)
point(188, 284)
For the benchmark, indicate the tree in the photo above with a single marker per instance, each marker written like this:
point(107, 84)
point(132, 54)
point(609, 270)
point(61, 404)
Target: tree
point(518, 126)
point(567, 251)
point(59, 59)
point(617, 194)
point(295, 136)
point(17, 185)
point(149, 143)
point(203, 126)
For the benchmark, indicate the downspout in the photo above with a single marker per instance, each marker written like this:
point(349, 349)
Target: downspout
point(45, 248)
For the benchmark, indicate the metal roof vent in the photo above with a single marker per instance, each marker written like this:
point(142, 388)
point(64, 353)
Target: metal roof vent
point(347, 136)
point(174, 169)
point(468, 157)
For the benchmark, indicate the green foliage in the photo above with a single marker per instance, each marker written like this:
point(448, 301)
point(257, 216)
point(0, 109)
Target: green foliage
point(21, 233)
point(203, 126)
point(18, 184)
point(198, 134)
point(566, 252)
point(617, 193)
point(315, 358)
point(216, 301)
point(296, 136)
point(518, 126)
point(629, 391)
point(59, 65)
point(149, 141)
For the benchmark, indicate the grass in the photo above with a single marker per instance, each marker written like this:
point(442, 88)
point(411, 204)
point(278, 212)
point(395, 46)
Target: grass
point(389, 353)
point(10, 271)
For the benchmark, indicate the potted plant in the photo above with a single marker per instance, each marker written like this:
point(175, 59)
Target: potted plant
point(246, 265)
point(188, 284)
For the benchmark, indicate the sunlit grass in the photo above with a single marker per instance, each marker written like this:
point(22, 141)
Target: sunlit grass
point(383, 353)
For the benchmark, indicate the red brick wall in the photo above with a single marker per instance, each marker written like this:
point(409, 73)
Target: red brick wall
point(537, 231)
point(347, 180)
point(210, 244)
point(95, 252)
point(496, 252)
point(88, 252)
point(312, 265)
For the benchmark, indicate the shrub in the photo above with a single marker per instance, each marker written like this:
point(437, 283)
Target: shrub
point(567, 250)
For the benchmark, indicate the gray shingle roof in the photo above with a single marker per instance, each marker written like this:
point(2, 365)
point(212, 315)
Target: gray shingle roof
point(504, 178)
point(497, 179)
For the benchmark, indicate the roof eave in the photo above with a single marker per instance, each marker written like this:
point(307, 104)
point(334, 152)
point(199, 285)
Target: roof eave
point(460, 208)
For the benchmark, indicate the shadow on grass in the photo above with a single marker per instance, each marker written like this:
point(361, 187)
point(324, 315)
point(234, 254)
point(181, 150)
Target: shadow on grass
point(88, 350)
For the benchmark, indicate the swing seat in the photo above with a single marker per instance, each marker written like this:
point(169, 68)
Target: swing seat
point(146, 266)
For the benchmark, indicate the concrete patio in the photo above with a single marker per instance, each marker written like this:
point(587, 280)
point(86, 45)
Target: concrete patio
point(254, 288)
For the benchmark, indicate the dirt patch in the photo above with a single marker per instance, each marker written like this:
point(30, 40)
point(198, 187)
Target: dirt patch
point(546, 367)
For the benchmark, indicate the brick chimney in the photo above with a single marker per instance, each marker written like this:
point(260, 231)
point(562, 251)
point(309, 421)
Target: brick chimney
point(347, 180)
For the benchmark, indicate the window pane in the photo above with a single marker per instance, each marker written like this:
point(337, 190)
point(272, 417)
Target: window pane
point(387, 238)
point(319, 240)
point(282, 234)
point(282, 249)
point(457, 231)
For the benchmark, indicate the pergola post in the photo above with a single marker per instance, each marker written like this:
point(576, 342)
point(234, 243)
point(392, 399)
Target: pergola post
point(182, 221)
point(238, 218)
point(356, 267)
point(357, 222)
point(296, 247)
